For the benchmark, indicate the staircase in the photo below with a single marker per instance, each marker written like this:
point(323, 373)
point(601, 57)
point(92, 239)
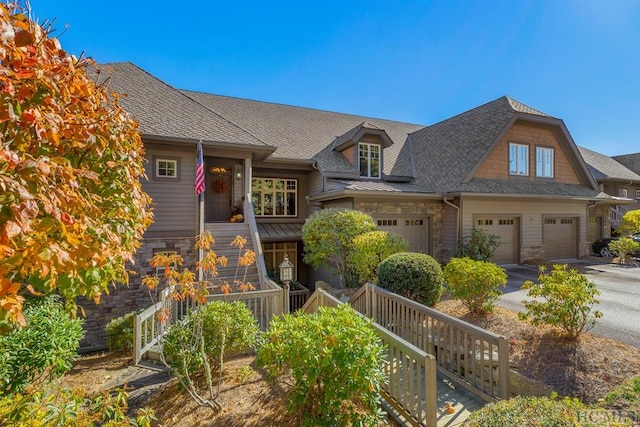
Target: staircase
point(224, 233)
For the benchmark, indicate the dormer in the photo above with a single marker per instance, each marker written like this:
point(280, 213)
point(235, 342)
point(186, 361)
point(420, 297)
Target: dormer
point(363, 147)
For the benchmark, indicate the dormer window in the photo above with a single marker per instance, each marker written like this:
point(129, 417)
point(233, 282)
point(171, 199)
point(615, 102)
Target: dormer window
point(518, 159)
point(369, 156)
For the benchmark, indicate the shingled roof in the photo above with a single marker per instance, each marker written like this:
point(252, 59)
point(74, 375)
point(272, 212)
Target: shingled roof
point(445, 153)
point(165, 112)
point(606, 168)
point(305, 133)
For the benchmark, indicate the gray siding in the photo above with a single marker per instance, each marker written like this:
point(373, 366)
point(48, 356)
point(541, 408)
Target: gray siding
point(174, 200)
point(449, 232)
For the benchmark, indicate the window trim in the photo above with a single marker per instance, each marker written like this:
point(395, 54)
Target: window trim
point(273, 193)
point(540, 160)
point(526, 162)
point(637, 194)
point(156, 167)
point(159, 271)
point(270, 251)
point(624, 193)
point(368, 174)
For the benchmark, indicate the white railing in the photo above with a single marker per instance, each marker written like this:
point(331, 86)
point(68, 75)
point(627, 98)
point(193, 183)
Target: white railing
point(147, 328)
point(472, 357)
point(410, 386)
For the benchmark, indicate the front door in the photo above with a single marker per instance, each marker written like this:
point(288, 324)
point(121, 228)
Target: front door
point(218, 196)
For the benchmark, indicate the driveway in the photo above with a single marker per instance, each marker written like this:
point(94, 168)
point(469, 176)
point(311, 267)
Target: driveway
point(619, 298)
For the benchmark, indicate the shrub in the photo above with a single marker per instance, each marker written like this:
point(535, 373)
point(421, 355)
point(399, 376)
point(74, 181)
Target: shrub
point(120, 332)
point(413, 275)
point(479, 245)
point(624, 247)
point(42, 350)
point(625, 397)
point(328, 239)
point(630, 222)
point(476, 283)
point(213, 332)
point(370, 249)
point(533, 412)
point(334, 358)
point(568, 301)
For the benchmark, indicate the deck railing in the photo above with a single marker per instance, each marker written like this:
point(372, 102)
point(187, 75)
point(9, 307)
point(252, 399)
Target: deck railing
point(472, 357)
point(410, 387)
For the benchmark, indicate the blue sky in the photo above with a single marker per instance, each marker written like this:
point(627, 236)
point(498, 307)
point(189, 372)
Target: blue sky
point(412, 61)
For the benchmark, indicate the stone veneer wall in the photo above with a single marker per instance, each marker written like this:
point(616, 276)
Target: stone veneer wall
point(124, 299)
point(432, 209)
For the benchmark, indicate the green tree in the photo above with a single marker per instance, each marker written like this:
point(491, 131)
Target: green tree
point(370, 249)
point(413, 275)
point(328, 240)
point(624, 247)
point(567, 301)
point(630, 222)
point(72, 210)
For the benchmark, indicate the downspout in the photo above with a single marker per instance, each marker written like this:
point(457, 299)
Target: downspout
point(458, 219)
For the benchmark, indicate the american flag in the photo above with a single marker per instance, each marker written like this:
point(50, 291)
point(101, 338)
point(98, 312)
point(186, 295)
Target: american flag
point(199, 184)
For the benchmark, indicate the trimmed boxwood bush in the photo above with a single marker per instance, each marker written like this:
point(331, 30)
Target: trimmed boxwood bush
point(413, 275)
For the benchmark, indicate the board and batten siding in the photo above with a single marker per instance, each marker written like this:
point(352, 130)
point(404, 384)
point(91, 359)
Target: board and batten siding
point(531, 216)
point(174, 200)
point(449, 232)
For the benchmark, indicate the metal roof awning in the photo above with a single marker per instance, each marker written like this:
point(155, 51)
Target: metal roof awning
point(280, 232)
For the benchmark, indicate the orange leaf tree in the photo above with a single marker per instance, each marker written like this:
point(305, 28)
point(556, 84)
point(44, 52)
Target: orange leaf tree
point(72, 209)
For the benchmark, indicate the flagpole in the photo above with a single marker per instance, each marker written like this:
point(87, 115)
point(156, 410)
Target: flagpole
point(200, 186)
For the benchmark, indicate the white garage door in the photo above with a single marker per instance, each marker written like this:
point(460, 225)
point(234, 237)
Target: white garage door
point(506, 228)
point(559, 236)
point(415, 230)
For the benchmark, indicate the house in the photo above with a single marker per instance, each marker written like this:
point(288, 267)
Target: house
point(616, 180)
point(503, 166)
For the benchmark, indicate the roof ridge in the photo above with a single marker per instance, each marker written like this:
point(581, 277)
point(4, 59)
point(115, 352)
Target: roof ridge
point(366, 118)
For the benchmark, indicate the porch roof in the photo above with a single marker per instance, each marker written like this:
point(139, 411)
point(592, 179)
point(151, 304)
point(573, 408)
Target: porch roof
point(280, 232)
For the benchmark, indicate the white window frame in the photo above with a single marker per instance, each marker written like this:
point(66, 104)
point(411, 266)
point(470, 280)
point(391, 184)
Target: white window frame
point(624, 193)
point(157, 169)
point(637, 194)
point(165, 252)
point(545, 162)
point(369, 152)
point(261, 196)
point(274, 252)
point(517, 165)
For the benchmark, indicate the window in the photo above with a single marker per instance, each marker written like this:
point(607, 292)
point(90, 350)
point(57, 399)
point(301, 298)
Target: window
point(274, 197)
point(518, 159)
point(166, 168)
point(167, 253)
point(369, 155)
point(274, 255)
point(638, 194)
point(623, 192)
point(544, 162)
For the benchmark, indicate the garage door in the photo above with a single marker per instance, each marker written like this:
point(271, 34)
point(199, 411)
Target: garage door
point(506, 228)
point(415, 230)
point(559, 236)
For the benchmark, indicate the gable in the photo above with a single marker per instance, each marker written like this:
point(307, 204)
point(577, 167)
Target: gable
point(532, 135)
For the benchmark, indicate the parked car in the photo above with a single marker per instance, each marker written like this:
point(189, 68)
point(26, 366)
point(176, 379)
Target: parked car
point(601, 246)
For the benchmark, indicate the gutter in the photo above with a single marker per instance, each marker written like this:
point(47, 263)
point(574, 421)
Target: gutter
point(458, 219)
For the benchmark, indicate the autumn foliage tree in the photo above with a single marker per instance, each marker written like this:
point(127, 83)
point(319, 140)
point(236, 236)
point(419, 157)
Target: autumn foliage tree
point(72, 210)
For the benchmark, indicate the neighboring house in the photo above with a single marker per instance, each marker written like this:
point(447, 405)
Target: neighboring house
point(503, 166)
point(616, 180)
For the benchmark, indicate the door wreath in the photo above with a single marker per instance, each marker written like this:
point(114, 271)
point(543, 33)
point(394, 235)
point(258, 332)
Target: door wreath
point(219, 186)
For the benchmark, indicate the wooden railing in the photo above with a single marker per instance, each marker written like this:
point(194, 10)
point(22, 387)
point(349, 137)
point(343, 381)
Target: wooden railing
point(410, 387)
point(147, 328)
point(472, 357)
